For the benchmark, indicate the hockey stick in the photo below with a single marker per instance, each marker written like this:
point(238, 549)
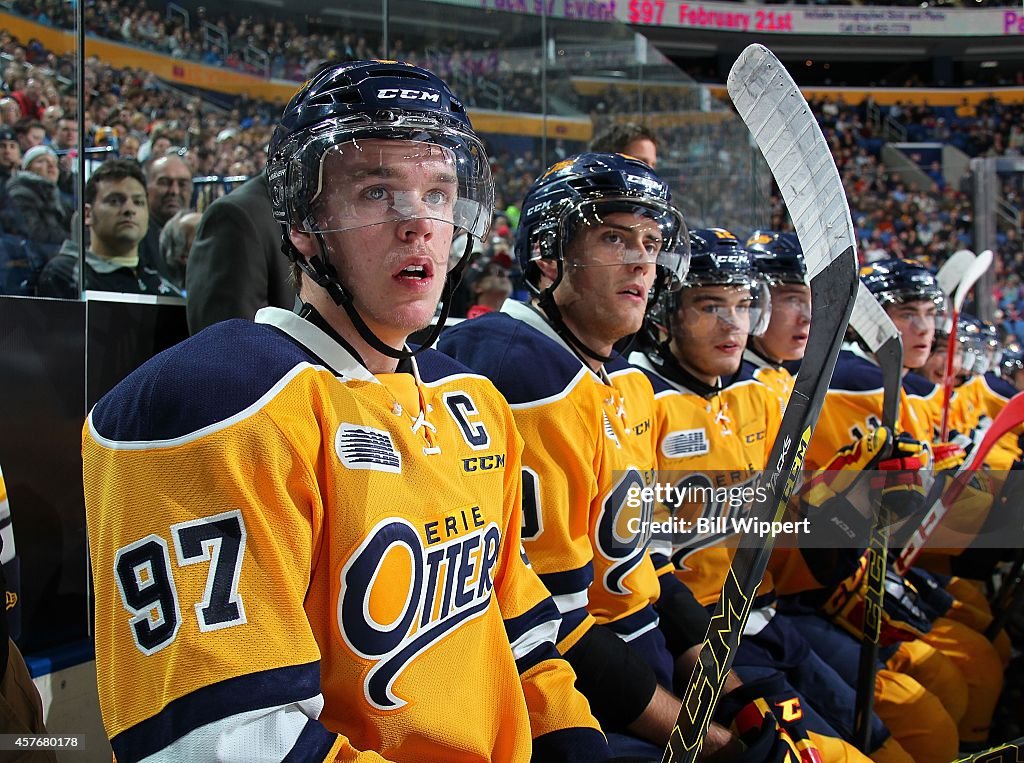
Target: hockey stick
point(1008, 752)
point(1011, 416)
point(882, 338)
point(953, 269)
point(1008, 600)
point(781, 122)
point(975, 271)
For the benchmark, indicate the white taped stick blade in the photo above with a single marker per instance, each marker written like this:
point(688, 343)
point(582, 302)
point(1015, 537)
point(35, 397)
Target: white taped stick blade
point(781, 122)
point(953, 269)
point(870, 321)
point(974, 271)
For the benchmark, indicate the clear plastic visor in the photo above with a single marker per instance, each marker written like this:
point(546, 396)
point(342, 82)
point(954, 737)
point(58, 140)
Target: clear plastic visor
point(939, 319)
point(372, 182)
point(628, 231)
point(743, 306)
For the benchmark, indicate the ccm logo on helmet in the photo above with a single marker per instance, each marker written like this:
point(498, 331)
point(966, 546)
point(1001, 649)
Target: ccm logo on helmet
point(408, 95)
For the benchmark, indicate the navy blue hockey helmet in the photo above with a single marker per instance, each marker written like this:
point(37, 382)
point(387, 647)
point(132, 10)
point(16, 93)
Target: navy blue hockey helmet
point(778, 257)
point(716, 259)
point(347, 105)
point(583, 189)
point(894, 281)
point(1012, 360)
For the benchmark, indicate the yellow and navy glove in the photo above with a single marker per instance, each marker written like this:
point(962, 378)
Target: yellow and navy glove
point(768, 720)
point(902, 617)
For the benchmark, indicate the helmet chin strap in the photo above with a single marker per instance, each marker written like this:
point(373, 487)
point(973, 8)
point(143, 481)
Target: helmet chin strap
point(324, 275)
point(546, 302)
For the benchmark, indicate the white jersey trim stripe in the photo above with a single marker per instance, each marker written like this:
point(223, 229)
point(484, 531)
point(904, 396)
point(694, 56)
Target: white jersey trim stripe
point(567, 602)
point(267, 734)
point(545, 633)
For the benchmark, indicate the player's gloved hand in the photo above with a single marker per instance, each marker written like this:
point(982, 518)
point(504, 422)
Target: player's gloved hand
point(898, 476)
point(902, 617)
point(757, 712)
point(948, 456)
point(846, 468)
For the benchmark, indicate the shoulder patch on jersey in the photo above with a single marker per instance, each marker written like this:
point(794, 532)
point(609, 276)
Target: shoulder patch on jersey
point(855, 374)
point(524, 365)
point(917, 385)
point(205, 379)
point(361, 447)
point(685, 442)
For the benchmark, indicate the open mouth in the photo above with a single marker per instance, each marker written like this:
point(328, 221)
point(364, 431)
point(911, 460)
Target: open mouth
point(637, 292)
point(418, 270)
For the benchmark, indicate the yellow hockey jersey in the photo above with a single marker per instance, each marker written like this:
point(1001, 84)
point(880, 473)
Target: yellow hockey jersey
point(853, 407)
point(985, 395)
point(775, 377)
point(296, 559)
point(713, 447)
point(589, 449)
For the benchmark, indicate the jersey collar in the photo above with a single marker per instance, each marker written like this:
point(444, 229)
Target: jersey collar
point(335, 356)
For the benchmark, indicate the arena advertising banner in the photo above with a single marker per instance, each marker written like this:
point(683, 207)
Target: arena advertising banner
point(778, 19)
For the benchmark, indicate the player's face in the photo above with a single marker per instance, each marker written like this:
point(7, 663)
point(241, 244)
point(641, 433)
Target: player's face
point(119, 216)
point(916, 324)
point(709, 329)
point(610, 268)
point(786, 336)
point(934, 368)
point(387, 206)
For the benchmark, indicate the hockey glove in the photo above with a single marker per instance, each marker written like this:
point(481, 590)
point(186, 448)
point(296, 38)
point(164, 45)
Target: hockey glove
point(902, 617)
point(768, 720)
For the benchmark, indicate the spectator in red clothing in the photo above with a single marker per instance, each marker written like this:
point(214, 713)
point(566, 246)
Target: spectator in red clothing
point(30, 99)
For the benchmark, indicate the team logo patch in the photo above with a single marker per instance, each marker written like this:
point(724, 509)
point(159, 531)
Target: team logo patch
point(367, 448)
point(685, 442)
point(400, 596)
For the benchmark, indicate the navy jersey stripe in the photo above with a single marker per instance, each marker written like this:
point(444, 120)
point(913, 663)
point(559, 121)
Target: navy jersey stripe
point(570, 622)
point(253, 691)
point(569, 581)
point(545, 611)
point(637, 621)
point(917, 385)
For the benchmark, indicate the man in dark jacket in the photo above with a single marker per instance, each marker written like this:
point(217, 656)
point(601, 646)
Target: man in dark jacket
point(236, 265)
point(117, 213)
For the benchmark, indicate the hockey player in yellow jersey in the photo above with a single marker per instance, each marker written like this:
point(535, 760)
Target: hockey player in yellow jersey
point(778, 257)
point(598, 232)
point(716, 428)
point(852, 409)
point(305, 540)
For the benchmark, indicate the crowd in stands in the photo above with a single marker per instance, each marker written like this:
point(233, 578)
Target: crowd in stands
point(132, 114)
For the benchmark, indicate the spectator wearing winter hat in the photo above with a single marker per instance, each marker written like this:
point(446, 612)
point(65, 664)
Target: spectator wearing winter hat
point(10, 155)
point(37, 209)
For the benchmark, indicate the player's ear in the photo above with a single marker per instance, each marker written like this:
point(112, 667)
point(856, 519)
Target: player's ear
point(304, 241)
point(548, 269)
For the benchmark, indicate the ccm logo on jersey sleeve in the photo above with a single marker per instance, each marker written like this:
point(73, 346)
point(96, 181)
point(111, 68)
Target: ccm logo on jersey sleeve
point(399, 596)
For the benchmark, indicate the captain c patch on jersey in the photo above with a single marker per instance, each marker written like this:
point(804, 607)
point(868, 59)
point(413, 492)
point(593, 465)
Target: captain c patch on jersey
point(449, 578)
